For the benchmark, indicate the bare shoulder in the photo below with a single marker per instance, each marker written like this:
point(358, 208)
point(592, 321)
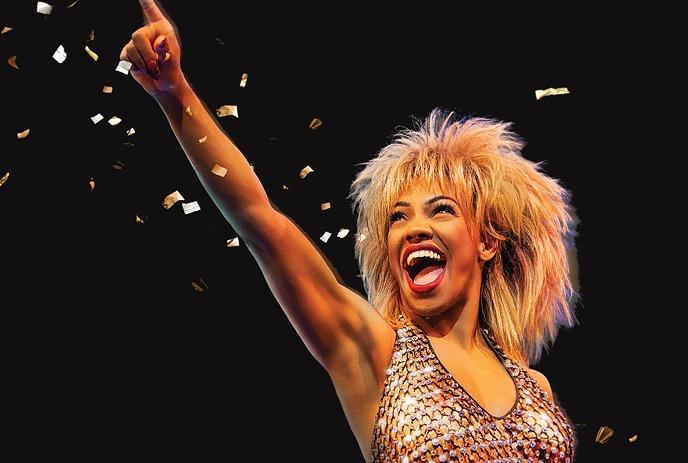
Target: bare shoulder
point(542, 381)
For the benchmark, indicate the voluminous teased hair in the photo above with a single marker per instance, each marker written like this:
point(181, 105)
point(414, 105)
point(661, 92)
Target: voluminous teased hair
point(507, 201)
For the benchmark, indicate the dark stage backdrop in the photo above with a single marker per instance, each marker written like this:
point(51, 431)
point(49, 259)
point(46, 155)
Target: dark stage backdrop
point(151, 337)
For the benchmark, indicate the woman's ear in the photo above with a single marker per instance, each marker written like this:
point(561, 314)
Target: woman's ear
point(486, 252)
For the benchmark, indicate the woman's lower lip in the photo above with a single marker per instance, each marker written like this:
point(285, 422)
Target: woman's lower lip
point(424, 288)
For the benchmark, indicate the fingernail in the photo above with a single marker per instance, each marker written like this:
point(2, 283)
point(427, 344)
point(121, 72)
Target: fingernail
point(163, 43)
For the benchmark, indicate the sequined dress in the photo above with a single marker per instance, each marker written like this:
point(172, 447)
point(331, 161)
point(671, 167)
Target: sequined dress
point(426, 416)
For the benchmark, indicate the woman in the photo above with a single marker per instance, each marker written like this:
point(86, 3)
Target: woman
point(462, 244)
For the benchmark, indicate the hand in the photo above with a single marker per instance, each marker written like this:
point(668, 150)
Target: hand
point(154, 53)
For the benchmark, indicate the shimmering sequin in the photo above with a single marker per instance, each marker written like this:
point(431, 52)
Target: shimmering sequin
point(425, 415)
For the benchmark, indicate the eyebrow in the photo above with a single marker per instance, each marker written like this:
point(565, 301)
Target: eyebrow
point(434, 199)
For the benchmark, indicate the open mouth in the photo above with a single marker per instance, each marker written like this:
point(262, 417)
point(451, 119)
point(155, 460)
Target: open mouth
point(424, 267)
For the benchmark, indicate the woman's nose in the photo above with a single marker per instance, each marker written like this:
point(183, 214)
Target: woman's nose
point(418, 232)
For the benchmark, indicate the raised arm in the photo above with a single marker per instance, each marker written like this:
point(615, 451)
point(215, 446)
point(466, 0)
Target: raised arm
point(332, 320)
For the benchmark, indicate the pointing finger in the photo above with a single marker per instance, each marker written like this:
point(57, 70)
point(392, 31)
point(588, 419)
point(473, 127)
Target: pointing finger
point(151, 11)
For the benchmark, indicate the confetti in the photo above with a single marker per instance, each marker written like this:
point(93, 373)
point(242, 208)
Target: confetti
point(227, 110)
point(324, 206)
point(12, 61)
point(23, 134)
point(6, 29)
point(361, 237)
point(551, 91)
point(118, 165)
point(73, 3)
point(171, 199)
point(315, 123)
point(633, 438)
point(191, 207)
point(285, 187)
point(140, 220)
point(43, 8)
point(91, 53)
point(4, 178)
point(325, 236)
point(97, 118)
point(199, 285)
point(123, 67)
point(244, 79)
point(60, 54)
point(219, 170)
point(92, 184)
point(91, 36)
point(188, 111)
point(233, 243)
point(131, 131)
point(305, 171)
point(107, 89)
point(604, 434)
point(203, 140)
point(342, 233)
point(114, 120)
point(167, 57)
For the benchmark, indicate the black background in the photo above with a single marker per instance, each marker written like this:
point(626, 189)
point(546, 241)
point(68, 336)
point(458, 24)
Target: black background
point(109, 349)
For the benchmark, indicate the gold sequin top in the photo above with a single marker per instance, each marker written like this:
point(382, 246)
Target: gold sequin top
point(426, 416)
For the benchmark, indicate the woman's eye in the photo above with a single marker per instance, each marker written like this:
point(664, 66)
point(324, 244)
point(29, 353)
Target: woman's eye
point(444, 207)
point(394, 216)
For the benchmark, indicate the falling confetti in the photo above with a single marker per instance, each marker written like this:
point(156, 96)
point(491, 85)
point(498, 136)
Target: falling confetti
point(361, 237)
point(551, 91)
point(188, 111)
point(219, 170)
point(6, 29)
point(140, 220)
point(4, 178)
point(23, 134)
point(92, 184)
point(60, 54)
point(203, 140)
point(233, 243)
point(167, 57)
point(123, 67)
point(191, 207)
point(325, 236)
point(315, 123)
point(227, 110)
point(171, 199)
point(604, 434)
point(91, 53)
point(199, 285)
point(285, 187)
point(342, 233)
point(107, 89)
point(43, 8)
point(324, 206)
point(91, 36)
point(97, 118)
point(131, 131)
point(305, 171)
point(12, 61)
point(633, 438)
point(244, 79)
point(118, 165)
point(114, 120)
point(73, 3)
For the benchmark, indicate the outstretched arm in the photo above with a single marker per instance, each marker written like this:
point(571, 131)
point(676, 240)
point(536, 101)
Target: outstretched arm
point(330, 318)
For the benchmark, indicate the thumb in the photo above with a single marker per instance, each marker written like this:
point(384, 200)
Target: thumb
point(162, 48)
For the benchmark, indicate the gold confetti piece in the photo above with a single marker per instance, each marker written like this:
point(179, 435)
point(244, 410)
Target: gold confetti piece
point(43, 8)
point(203, 140)
point(6, 29)
point(219, 170)
point(324, 206)
point(315, 123)
point(191, 207)
point(604, 434)
point(23, 134)
point(91, 36)
point(171, 199)
point(167, 57)
point(60, 54)
point(91, 53)
point(123, 67)
point(305, 171)
point(233, 243)
point(342, 233)
point(107, 89)
point(73, 3)
point(199, 285)
point(4, 178)
point(131, 131)
point(633, 438)
point(188, 111)
point(361, 237)
point(551, 91)
point(12, 61)
point(114, 120)
point(285, 187)
point(244, 79)
point(227, 110)
point(92, 184)
point(118, 165)
point(325, 236)
point(140, 220)
point(97, 118)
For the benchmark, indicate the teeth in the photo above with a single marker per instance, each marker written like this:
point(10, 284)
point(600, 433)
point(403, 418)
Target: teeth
point(424, 253)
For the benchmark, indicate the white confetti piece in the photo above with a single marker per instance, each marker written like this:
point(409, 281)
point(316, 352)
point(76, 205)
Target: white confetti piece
point(91, 53)
point(325, 236)
point(285, 187)
point(6, 29)
point(551, 91)
point(233, 243)
point(118, 165)
point(91, 36)
point(23, 134)
point(97, 118)
point(60, 54)
point(305, 171)
point(43, 8)
point(203, 140)
point(131, 131)
point(123, 67)
point(191, 207)
point(315, 123)
point(4, 178)
point(219, 170)
point(361, 237)
point(73, 3)
point(92, 184)
point(244, 80)
point(342, 233)
point(227, 110)
point(324, 206)
point(199, 285)
point(139, 220)
point(171, 199)
point(633, 438)
point(114, 120)
point(107, 89)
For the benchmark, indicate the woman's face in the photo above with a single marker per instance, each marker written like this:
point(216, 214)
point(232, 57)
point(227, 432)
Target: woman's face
point(435, 261)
